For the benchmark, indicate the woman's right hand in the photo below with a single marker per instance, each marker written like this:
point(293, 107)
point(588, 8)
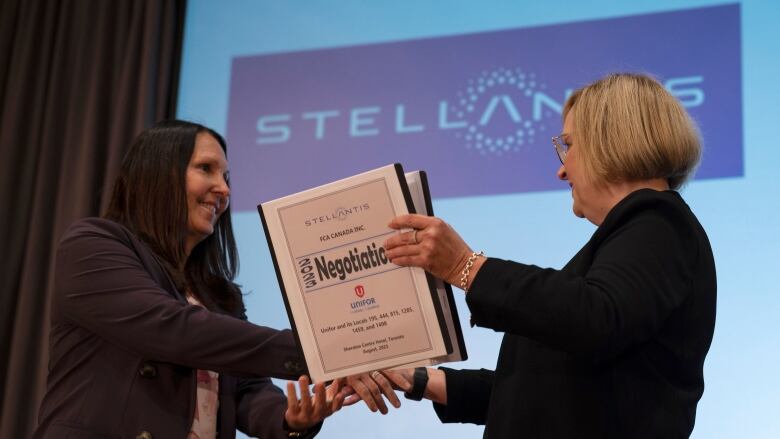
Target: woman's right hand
point(371, 387)
point(432, 245)
point(305, 413)
point(401, 379)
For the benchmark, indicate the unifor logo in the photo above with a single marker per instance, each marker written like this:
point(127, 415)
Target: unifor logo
point(500, 111)
point(360, 291)
point(368, 302)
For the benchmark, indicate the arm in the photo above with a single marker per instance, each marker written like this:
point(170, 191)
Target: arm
point(638, 277)
point(260, 408)
point(458, 395)
point(371, 387)
point(263, 411)
point(103, 286)
point(435, 389)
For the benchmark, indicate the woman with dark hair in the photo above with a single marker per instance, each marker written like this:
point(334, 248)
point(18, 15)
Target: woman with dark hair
point(149, 336)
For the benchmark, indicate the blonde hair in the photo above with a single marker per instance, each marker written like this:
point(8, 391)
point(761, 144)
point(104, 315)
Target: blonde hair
point(627, 127)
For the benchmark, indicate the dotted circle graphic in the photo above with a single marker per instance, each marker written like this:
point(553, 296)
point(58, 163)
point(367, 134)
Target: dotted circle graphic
point(507, 93)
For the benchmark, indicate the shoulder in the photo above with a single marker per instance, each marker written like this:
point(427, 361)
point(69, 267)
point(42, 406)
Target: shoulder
point(97, 234)
point(92, 243)
point(662, 215)
point(94, 226)
point(654, 206)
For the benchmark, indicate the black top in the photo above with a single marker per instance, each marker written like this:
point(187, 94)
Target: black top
point(610, 346)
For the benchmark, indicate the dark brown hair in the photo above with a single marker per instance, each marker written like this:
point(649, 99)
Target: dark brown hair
point(150, 199)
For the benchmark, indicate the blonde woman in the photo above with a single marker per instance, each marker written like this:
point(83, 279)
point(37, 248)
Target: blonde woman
point(613, 344)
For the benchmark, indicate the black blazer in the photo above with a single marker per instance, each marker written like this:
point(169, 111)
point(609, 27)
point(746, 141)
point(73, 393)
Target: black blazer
point(611, 346)
point(125, 344)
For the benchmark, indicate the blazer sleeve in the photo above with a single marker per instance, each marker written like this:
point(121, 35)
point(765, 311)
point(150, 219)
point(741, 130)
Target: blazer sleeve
point(261, 408)
point(103, 286)
point(639, 275)
point(468, 396)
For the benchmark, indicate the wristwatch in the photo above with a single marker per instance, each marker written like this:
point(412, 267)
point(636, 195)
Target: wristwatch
point(419, 382)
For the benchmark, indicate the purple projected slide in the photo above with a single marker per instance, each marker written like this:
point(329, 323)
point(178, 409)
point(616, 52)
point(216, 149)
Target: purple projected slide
point(475, 111)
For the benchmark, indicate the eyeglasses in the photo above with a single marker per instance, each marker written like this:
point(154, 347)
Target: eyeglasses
point(561, 147)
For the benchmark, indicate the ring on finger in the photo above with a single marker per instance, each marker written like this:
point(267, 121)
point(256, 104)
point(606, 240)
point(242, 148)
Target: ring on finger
point(375, 374)
point(414, 236)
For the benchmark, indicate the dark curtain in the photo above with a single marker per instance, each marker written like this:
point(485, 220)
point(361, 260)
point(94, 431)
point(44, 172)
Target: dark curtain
point(78, 80)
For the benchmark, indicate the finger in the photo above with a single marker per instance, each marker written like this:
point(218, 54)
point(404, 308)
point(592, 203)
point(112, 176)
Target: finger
point(336, 391)
point(292, 399)
point(338, 395)
point(353, 399)
point(350, 396)
point(338, 402)
point(387, 389)
point(409, 221)
point(376, 392)
point(398, 380)
point(320, 408)
point(303, 384)
point(333, 389)
point(409, 261)
point(402, 250)
point(347, 390)
point(394, 241)
point(413, 237)
point(364, 393)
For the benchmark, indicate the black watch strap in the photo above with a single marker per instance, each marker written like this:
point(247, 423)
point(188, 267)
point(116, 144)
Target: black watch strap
point(419, 383)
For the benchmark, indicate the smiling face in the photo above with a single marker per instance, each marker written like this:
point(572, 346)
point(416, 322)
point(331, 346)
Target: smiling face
point(208, 194)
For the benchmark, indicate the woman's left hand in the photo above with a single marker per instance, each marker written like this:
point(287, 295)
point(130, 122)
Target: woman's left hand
point(432, 245)
point(371, 388)
point(305, 413)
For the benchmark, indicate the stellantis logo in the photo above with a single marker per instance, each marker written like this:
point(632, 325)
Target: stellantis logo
point(501, 111)
point(340, 213)
point(475, 111)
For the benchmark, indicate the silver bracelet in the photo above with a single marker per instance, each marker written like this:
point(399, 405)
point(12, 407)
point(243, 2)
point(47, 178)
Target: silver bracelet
point(464, 275)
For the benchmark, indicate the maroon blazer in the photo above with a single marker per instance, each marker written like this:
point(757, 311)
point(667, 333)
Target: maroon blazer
point(125, 344)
